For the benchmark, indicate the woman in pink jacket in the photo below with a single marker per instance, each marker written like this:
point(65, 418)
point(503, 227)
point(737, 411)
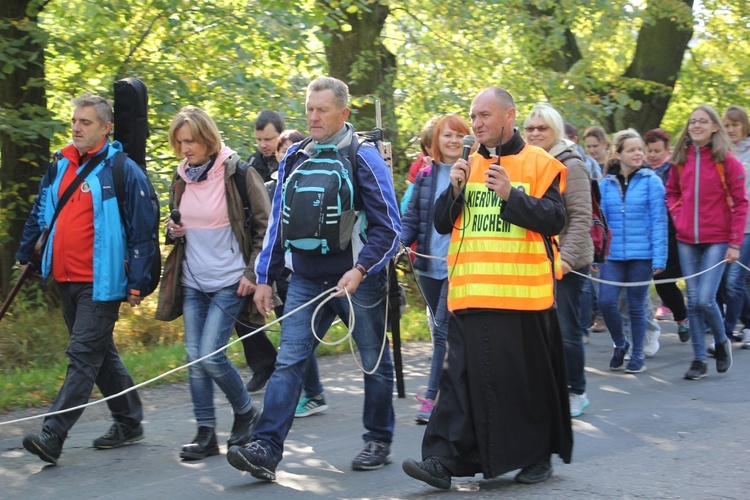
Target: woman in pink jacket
point(707, 201)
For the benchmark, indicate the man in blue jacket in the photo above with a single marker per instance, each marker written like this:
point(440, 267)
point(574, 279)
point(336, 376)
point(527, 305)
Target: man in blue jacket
point(98, 262)
point(358, 270)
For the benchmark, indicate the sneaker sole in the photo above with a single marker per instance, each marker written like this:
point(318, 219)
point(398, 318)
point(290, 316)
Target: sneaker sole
point(425, 420)
point(315, 410)
point(691, 377)
point(237, 460)
point(579, 413)
point(520, 478)
point(388, 460)
point(411, 469)
point(105, 446)
point(639, 370)
point(32, 447)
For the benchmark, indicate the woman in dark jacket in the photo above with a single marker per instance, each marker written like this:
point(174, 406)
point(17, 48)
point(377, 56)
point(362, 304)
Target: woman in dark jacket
point(417, 225)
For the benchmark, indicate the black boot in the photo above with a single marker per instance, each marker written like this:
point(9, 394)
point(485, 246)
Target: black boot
point(242, 428)
point(204, 445)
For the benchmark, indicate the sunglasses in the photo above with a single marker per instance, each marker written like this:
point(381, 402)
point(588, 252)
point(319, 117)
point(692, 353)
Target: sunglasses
point(540, 128)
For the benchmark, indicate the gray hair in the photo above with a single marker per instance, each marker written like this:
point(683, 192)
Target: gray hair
point(340, 89)
point(102, 106)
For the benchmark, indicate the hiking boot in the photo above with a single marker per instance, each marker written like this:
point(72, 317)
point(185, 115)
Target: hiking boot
point(697, 370)
point(635, 366)
point(204, 445)
point(119, 434)
point(617, 362)
point(651, 345)
point(259, 381)
point(375, 455)
point(535, 473)
point(578, 403)
point(683, 330)
point(724, 356)
point(599, 326)
point(47, 445)
point(242, 428)
point(430, 471)
point(424, 413)
point(310, 406)
point(746, 338)
point(256, 458)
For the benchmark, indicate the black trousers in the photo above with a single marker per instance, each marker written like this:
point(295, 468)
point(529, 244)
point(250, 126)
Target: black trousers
point(260, 353)
point(92, 359)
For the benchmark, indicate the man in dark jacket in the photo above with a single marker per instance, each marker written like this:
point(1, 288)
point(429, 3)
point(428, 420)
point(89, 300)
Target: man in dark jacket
point(97, 262)
point(268, 128)
point(503, 395)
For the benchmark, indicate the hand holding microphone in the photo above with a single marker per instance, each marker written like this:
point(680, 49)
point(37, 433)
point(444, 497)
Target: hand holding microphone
point(468, 142)
point(176, 231)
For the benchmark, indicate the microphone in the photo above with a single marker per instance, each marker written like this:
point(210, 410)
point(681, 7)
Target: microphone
point(468, 142)
point(176, 217)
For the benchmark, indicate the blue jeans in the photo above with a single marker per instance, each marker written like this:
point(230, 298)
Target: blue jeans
point(569, 291)
point(589, 303)
point(736, 293)
point(701, 292)
point(436, 295)
point(312, 385)
point(626, 271)
point(209, 320)
point(298, 343)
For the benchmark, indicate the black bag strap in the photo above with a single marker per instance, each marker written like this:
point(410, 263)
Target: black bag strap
point(240, 180)
point(90, 166)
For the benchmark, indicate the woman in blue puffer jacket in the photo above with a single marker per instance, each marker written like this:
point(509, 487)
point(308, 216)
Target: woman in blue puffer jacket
point(633, 203)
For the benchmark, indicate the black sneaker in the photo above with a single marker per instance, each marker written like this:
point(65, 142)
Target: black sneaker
point(430, 471)
point(535, 473)
point(242, 428)
point(256, 458)
point(697, 370)
point(119, 435)
point(617, 362)
point(724, 356)
point(47, 446)
point(375, 455)
point(259, 381)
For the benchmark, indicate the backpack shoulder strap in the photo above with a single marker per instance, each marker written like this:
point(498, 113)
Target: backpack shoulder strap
point(722, 176)
point(240, 180)
point(118, 179)
point(352, 156)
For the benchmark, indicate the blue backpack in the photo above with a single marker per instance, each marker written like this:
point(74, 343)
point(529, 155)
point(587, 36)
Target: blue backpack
point(320, 201)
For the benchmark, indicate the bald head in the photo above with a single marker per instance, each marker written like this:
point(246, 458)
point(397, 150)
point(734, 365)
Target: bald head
point(493, 113)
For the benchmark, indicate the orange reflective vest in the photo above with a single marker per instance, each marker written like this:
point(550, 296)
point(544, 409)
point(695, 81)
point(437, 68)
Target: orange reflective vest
point(493, 264)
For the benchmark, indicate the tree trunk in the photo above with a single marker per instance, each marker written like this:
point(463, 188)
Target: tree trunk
point(359, 58)
point(657, 60)
point(24, 150)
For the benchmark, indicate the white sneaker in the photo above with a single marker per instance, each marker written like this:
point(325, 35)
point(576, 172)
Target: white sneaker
point(578, 403)
point(746, 338)
point(651, 345)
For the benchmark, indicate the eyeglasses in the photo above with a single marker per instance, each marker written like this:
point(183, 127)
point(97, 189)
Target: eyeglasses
point(702, 121)
point(540, 128)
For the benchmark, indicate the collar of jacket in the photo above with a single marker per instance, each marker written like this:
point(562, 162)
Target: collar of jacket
point(513, 146)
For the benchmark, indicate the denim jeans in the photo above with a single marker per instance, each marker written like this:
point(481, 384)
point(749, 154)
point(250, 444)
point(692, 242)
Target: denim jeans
point(589, 302)
point(209, 320)
point(312, 386)
point(624, 272)
point(436, 295)
point(736, 293)
point(648, 308)
point(92, 359)
point(701, 292)
point(298, 343)
point(569, 291)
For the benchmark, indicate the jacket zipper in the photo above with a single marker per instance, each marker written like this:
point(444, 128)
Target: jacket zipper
point(697, 192)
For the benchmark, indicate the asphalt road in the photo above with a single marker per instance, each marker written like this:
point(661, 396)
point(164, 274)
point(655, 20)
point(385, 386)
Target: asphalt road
point(651, 435)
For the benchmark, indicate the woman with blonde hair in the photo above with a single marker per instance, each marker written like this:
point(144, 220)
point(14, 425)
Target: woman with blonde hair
point(217, 270)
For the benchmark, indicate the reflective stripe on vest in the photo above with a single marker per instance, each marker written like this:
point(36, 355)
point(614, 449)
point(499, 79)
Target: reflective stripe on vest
point(494, 264)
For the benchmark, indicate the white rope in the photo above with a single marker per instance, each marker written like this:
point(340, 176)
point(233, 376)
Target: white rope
point(147, 382)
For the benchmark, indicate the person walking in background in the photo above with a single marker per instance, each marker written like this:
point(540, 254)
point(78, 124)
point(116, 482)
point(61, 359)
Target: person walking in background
point(503, 394)
point(544, 129)
point(217, 272)
point(98, 262)
point(736, 293)
point(417, 226)
point(657, 155)
point(708, 204)
point(633, 203)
